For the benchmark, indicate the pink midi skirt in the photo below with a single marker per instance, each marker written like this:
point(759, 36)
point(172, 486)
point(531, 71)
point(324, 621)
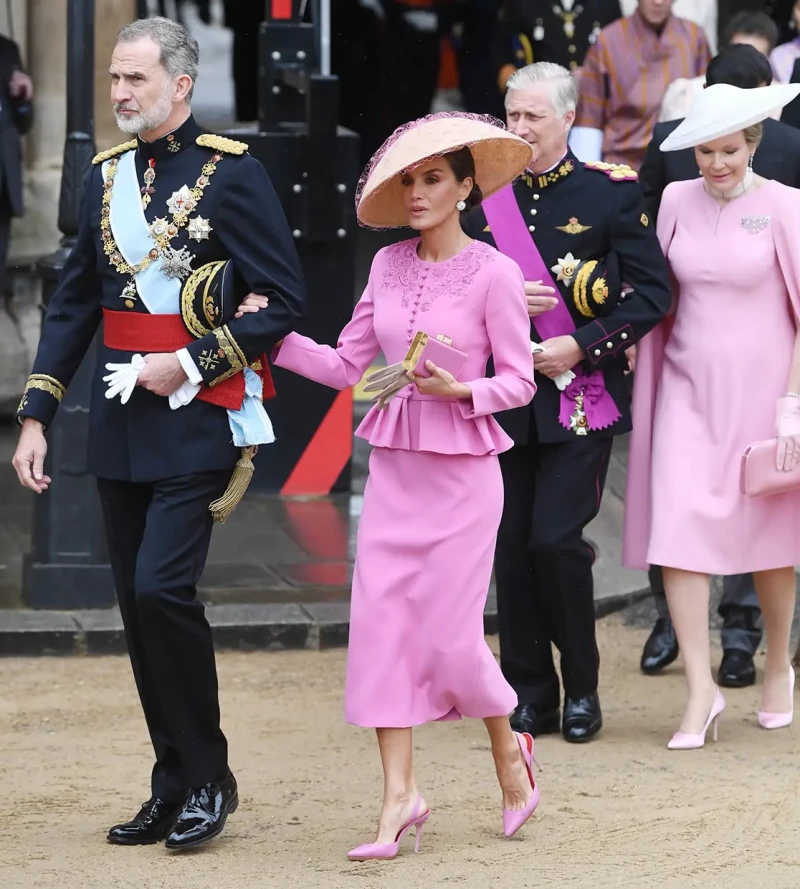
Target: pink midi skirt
point(425, 549)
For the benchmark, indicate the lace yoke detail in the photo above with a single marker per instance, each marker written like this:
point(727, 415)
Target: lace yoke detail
point(426, 281)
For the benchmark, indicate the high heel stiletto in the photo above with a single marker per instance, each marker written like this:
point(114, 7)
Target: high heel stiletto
point(369, 851)
point(769, 720)
point(689, 741)
point(513, 819)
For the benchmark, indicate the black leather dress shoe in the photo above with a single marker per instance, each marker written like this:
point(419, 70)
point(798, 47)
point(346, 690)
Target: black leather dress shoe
point(661, 648)
point(535, 721)
point(737, 669)
point(204, 814)
point(582, 718)
point(151, 825)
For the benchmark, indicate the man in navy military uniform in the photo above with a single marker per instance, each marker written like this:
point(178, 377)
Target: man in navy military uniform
point(560, 31)
point(162, 216)
point(589, 224)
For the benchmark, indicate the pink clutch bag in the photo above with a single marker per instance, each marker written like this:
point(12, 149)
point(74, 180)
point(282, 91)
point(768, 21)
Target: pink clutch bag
point(760, 474)
point(438, 350)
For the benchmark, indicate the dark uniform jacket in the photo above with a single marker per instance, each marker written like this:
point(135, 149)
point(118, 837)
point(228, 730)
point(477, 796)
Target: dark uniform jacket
point(778, 157)
point(547, 31)
point(144, 440)
point(16, 118)
point(579, 209)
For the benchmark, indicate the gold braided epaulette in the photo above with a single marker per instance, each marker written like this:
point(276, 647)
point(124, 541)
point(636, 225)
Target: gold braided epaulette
point(615, 172)
point(113, 152)
point(222, 143)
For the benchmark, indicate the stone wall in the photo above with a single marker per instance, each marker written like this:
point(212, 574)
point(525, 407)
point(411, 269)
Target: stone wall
point(39, 27)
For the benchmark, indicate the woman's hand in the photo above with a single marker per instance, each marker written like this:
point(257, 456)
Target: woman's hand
point(252, 303)
point(788, 433)
point(440, 382)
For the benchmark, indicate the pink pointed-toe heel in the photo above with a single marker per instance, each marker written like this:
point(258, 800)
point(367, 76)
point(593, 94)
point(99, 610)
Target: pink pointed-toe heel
point(369, 851)
point(689, 741)
point(769, 720)
point(513, 819)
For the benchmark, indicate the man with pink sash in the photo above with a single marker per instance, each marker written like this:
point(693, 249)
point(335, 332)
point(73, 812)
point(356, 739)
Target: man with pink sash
point(576, 231)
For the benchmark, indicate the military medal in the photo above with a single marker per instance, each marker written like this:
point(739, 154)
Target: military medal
point(181, 203)
point(578, 422)
point(149, 178)
point(199, 229)
point(129, 294)
point(565, 268)
point(176, 263)
point(172, 143)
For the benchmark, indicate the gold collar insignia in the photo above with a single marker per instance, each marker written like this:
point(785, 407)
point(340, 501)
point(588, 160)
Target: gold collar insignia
point(556, 175)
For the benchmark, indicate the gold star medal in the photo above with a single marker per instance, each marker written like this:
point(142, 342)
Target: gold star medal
point(565, 268)
point(199, 228)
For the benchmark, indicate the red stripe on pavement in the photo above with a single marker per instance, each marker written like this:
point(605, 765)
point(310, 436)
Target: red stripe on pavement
point(326, 454)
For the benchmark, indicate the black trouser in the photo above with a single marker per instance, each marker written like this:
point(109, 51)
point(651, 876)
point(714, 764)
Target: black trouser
point(739, 610)
point(543, 567)
point(158, 538)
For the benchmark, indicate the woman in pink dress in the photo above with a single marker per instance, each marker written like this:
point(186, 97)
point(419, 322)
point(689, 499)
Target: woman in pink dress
point(434, 495)
point(708, 383)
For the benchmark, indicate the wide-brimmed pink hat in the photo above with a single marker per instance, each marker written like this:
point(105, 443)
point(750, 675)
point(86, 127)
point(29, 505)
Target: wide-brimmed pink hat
point(500, 157)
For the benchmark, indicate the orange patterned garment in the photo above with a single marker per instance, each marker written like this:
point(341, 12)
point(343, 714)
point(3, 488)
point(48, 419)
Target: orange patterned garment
point(625, 75)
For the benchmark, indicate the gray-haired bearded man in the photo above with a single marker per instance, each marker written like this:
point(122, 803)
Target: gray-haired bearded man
point(169, 223)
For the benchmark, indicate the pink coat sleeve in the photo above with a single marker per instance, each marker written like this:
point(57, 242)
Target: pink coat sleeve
point(343, 366)
point(787, 245)
point(508, 326)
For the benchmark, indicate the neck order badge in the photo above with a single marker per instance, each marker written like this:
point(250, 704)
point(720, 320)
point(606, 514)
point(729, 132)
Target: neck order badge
point(585, 403)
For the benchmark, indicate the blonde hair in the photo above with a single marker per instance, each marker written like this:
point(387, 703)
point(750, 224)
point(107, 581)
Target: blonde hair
point(753, 135)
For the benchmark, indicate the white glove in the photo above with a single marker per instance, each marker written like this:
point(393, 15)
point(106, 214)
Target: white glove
point(122, 379)
point(181, 397)
point(562, 380)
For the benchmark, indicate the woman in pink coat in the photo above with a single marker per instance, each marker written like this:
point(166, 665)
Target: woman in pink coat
point(434, 495)
point(710, 382)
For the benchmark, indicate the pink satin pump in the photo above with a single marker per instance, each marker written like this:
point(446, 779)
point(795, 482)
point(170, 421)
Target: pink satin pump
point(689, 741)
point(769, 720)
point(370, 851)
point(513, 819)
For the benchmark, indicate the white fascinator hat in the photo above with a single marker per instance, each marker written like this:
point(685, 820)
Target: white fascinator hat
point(721, 109)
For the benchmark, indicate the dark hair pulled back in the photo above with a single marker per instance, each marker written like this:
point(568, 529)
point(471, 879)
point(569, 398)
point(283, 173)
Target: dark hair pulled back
point(462, 163)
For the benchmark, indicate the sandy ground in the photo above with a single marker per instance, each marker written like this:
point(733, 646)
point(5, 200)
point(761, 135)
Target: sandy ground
point(621, 812)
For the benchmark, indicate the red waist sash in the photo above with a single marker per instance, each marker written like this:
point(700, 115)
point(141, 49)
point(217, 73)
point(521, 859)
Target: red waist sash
point(140, 332)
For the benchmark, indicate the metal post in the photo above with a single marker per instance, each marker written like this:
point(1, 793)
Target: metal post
point(325, 37)
point(68, 566)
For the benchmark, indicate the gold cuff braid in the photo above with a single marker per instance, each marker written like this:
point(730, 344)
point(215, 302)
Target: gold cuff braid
point(235, 356)
point(47, 384)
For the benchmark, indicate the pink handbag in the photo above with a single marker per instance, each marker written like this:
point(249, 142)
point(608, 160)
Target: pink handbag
point(438, 350)
point(760, 474)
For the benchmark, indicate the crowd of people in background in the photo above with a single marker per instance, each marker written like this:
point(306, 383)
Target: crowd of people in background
point(393, 54)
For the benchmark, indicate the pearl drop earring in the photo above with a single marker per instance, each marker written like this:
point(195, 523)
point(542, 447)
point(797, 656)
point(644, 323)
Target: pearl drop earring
point(461, 206)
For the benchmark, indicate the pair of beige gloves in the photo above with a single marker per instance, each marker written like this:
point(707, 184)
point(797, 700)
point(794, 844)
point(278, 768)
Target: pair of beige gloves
point(386, 383)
